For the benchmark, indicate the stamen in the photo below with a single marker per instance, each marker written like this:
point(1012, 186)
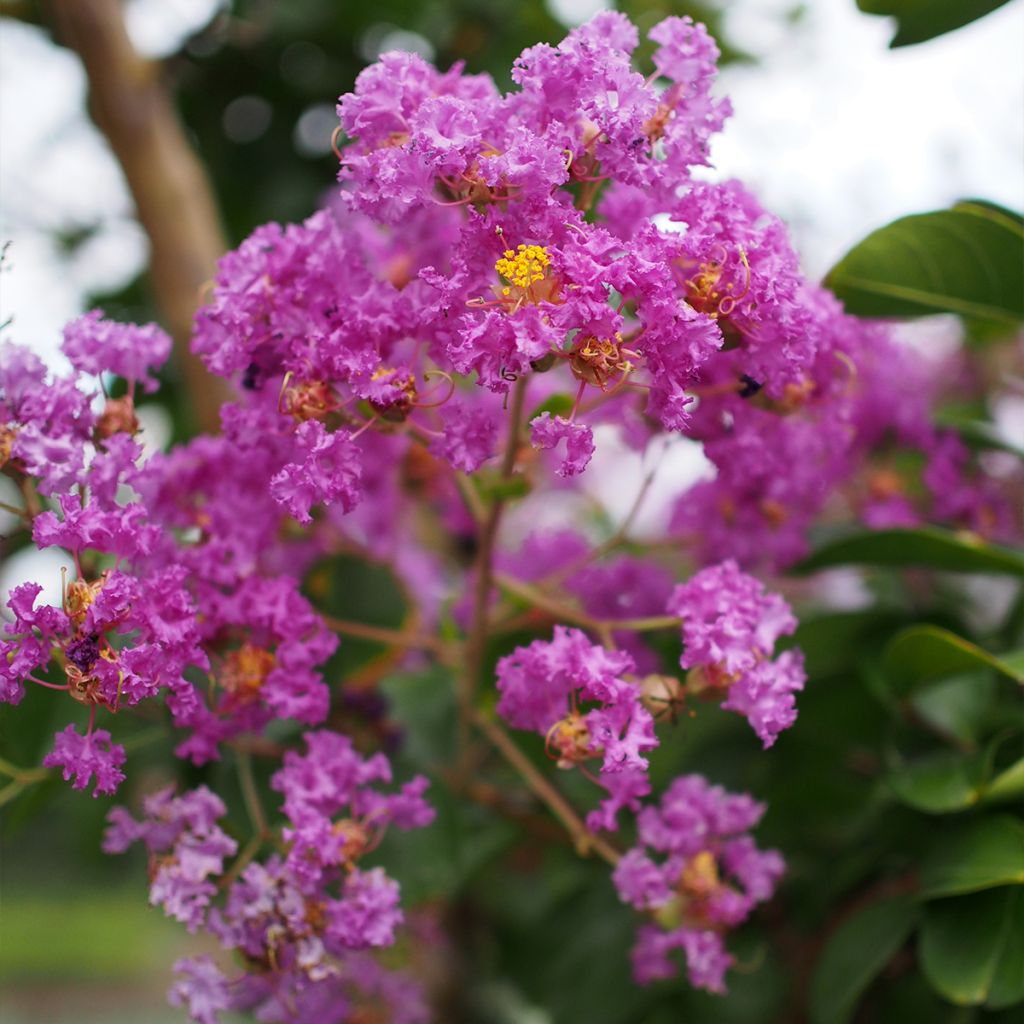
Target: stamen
point(450, 390)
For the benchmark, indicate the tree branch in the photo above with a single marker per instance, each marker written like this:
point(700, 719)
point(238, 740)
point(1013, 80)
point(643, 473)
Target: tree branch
point(173, 197)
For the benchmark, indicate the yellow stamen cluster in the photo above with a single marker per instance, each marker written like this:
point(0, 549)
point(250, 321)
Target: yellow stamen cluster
point(704, 290)
point(599, 360)
point(523, 266)
point(7, 436)
point(700, 876)
point(79, 596)
point(309, 400)
point(245, 670)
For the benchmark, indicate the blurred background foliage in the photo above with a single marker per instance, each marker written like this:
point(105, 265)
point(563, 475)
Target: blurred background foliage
point(909, 744)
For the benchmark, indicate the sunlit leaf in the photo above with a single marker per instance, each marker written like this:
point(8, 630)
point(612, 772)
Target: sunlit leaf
point(967, 260)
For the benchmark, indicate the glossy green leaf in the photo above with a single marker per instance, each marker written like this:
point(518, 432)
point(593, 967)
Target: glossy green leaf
point(927, 546)
point(958, 708)
point(833, 643)
point(855, 955)
point(967, 260)
point(922, 654)
point(971, 948)
point(921, 20)
point(1007, 785)
point(983, 854)
point(941, 783)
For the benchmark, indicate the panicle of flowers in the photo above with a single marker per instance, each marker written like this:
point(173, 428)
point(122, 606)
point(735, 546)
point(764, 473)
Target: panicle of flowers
point(730, 626)
point(697, 873)
point(500, 276)
point(187, 849)
point(546, 687)
point(300, 921)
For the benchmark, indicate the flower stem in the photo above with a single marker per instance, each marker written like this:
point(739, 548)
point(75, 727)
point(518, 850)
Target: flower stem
point(383, 635)
point(476, 641)
point(250, 794)
point(583, 839)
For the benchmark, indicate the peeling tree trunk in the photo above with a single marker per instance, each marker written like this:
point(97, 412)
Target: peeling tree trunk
point(173, 197)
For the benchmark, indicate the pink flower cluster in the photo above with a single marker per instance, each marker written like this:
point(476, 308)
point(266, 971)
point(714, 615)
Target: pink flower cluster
point(301, 920)
point(730, 626)
point(500, 276)
point(709, 876)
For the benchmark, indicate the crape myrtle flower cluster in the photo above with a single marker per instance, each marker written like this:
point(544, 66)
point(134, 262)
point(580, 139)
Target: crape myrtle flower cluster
point(498, 276)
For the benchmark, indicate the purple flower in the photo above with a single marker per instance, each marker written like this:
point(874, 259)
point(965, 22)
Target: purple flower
point(544, 687)
point(547, 431)
point(764, 694)
point(729, 620)
point(367, 913)
point(469, 437)
point(328, 472)
point(710, 878)
point(336, 812)
point(190, 847)
point(85, 757)
point(706, 956)
point(730, 626)
point(95, 345)
point(640, 882)
point(200, 988)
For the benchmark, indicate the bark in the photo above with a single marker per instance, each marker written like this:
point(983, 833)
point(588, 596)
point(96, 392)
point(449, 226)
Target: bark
point(173, 197)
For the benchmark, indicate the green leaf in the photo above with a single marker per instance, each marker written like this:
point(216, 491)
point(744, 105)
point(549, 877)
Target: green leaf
point(854, 956)
point(958, 707)
point(922, 654)
point(979, 433)
point(967, 260)
point(985, 853)
point(921, 20)
point(1007, 785)
point(927, 546)
point(941, 783)
point(557, 405)
point(833, 643)
point(971, 948)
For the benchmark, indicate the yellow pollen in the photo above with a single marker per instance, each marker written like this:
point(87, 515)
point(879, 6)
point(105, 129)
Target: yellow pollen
point(700, 876)
point(523, 267)
point(7, 435)
point(79, 596)
point(245, 670)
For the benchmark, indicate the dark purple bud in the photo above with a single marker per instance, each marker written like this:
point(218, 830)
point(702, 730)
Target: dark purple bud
point(83, 653)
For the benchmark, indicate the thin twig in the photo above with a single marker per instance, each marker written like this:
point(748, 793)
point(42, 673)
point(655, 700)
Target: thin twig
point(584, 841)
point(538, 599)
point(250, 794)
point(476, 641)
point(384, 635)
